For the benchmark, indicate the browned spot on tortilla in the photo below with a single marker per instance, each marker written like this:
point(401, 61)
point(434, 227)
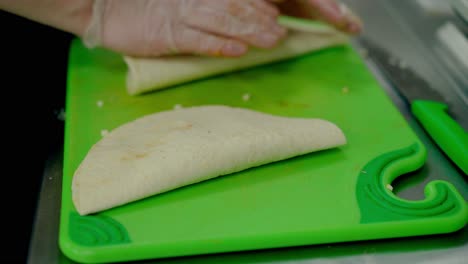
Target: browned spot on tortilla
point(133, 156)
point(154, 143)
point(184, 126)
point(141, 155)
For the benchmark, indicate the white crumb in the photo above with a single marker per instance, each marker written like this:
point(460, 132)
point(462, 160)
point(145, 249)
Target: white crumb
point(104, 132)
point(345, 90)
point(177, 106)
point(390, 187)
point(246, 97)
point(100, 103)
point(364, 172)
point(50, 178)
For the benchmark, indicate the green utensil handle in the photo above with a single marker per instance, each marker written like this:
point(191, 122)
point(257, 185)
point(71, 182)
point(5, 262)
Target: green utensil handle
point(444, 130)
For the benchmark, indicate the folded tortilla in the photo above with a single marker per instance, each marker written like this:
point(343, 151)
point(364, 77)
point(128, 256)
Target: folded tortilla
point(167, 150)
point(149, 74)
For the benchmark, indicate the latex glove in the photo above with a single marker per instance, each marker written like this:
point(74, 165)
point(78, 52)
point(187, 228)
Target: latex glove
point(161, 27)
point(329, 11)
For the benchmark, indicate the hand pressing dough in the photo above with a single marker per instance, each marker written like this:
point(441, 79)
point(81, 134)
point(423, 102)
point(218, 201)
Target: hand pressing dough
point(149, 74)
point(167, 150)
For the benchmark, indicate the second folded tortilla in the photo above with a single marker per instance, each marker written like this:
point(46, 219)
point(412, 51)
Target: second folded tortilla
point(149, 74)
point(167, 150)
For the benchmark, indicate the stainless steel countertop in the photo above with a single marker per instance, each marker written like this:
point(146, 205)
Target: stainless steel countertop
point(388, 23)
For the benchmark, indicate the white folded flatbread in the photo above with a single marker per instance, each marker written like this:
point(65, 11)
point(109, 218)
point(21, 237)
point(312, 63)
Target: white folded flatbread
point(149, 74)
point(167, 150)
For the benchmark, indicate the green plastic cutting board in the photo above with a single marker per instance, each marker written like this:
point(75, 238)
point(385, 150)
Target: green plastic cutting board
point(336, 195)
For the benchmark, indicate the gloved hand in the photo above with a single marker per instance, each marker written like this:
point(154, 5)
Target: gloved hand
point(329, 11)
point(209, 27)
point(161, 27)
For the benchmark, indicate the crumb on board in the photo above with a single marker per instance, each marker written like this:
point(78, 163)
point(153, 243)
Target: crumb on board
point(100, 103)
point(390, 187)
point(246, 97)
point(104, 132)
point(345, 90)
point(177, 106)
point(50, 178)
point(364, 172)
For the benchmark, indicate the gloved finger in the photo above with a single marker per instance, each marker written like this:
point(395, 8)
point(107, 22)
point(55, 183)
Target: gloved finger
point(353, 22)
point(244, 20)
point(328, 11)
point(268, 13)
point(239, 20)
point(335, 13)
point(192, 41)
point(269, 9)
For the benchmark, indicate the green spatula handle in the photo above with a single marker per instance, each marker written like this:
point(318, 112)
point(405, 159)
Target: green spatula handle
point(444, 130)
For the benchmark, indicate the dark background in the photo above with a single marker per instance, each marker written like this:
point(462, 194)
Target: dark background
point(34, 65)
